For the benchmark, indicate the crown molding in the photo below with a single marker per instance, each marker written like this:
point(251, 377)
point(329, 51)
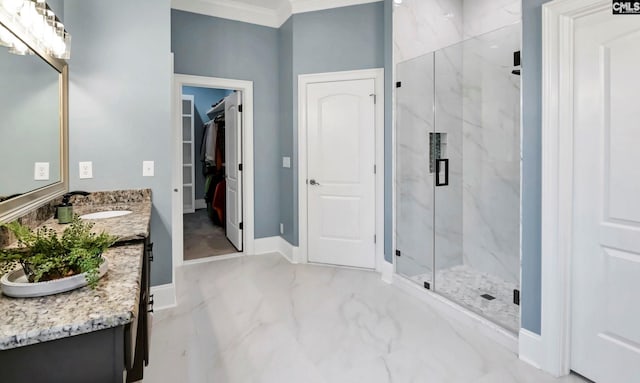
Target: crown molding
point(234, 10)
point(231, 10)
point(301, 6)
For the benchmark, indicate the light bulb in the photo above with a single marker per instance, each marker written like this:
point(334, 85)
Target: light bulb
point(19, 48)
point(6, 37)
point(28, 14)
point(12, 5)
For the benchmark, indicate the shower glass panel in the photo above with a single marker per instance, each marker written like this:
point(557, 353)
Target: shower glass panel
point(458, 173)
point(414, 193)
point(477, 221)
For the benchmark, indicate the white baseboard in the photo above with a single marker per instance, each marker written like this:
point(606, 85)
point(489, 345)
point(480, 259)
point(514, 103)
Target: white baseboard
point(277, 245)
point(201, 204)
point(289, 251)
point(267, 245)
point(386, 272)
point(164, 296)
point(531, 348)
point(459, 313)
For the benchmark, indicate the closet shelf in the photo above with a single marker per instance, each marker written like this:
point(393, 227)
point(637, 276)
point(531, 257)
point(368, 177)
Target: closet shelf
point(216, 109)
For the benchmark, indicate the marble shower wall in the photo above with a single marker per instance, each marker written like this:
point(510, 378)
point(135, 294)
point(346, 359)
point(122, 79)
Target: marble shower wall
point(491, 160)
point(470, 97)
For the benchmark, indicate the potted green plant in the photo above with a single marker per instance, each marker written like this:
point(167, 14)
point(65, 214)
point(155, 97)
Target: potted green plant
point(46, 256)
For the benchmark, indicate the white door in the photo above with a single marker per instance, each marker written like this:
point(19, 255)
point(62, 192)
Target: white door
point(606, 205)
point(340, 172)
point(233, 163)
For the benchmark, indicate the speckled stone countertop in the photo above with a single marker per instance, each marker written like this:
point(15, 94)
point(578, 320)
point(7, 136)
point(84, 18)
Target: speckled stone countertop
point(113, 303)
point(127, 227)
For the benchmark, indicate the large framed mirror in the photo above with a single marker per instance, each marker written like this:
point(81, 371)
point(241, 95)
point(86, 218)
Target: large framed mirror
point(33, 123)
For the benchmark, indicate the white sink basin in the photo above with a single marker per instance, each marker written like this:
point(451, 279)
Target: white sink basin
point(106, 214)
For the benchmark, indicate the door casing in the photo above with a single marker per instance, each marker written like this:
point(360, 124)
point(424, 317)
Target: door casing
point(550, 350)
point(303, 80)
point(177, 230)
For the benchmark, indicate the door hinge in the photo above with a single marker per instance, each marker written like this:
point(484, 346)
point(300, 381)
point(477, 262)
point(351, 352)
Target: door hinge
point(398, 253)
point(398, 84)
point(375, 98)
point(240, 226)
point(374, 238)
point(516, 297)
point(240, 108)
point(375, 169)
point(240, 167)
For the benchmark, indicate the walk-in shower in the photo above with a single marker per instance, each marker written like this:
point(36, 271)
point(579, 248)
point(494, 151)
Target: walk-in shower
point(458, 174)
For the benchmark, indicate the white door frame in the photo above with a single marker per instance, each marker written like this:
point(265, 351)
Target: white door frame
point(551, 351)
point(246, 87)
point(305, 79)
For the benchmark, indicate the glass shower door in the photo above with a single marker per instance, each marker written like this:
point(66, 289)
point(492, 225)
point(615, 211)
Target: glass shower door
point(477, 214)
point(414, 182)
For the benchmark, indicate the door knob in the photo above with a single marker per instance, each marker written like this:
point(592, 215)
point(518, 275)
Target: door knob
point(314, 183)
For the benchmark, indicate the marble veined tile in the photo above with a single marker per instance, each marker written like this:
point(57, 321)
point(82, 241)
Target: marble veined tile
point(260, 319)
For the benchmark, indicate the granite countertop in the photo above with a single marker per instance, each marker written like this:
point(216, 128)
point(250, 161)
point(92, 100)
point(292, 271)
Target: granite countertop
point(113, 303)
point(134, 226)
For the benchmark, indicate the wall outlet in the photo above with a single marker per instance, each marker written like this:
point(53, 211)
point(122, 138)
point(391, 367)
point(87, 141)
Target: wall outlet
point(41, 171)
point(282, 228)
point(147, 168)
point(86, 169)
point(286, 162)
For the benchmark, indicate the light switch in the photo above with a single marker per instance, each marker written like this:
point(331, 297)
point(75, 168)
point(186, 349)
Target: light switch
point(86, 169)
point(41, 171)
point(286, 162)
point(147, 168)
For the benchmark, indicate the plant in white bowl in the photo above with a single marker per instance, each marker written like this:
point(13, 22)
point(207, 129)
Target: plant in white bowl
point(47, 256)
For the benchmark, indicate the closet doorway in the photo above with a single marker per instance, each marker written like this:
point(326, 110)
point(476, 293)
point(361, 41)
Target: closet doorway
point(211, 217)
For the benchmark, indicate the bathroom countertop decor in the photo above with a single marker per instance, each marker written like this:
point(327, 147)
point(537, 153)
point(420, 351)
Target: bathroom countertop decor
point(113, 303)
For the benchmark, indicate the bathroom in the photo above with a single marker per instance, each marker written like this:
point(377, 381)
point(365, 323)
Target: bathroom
point(453, 284)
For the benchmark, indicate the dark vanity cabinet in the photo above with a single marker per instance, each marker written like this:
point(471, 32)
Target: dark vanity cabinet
point(117, 354)
point(137, 360)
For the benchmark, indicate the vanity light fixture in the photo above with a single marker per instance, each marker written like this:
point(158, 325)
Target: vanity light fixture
point(41, 24)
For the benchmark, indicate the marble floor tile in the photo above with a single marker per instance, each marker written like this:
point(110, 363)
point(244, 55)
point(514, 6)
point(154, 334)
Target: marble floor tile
point(260, 319)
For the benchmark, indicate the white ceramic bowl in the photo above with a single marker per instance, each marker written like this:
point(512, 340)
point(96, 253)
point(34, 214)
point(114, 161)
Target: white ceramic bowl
point(15, 283)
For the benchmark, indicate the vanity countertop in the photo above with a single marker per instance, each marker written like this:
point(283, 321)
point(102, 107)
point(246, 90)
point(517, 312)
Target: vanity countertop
point(130, 227)
point(113, 303)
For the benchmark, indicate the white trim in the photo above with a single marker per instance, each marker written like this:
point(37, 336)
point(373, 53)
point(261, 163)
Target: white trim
point(558, 19)
point(460, 314)
point(212, 259)
point(200, 204)
point(304, 80)
point(246, 87)
point(530, 348)
point(164, 296)
point(233, 10)
point(254, 14)
point(301, 6)
point(267, 245)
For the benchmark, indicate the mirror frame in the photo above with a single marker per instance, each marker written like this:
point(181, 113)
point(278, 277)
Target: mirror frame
point(18, 206)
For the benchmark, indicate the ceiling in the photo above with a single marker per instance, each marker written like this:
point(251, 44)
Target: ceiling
point(270, 13)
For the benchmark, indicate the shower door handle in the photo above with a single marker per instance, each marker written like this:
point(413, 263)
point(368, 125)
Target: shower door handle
point(442, 175)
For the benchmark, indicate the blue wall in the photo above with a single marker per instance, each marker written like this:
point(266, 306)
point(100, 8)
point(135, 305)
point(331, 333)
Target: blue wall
point(285, 76)
point(339, 39)
point(388, 130)
point(120, 105)
point(203, 98)
point(215, 47)
point(531, 162)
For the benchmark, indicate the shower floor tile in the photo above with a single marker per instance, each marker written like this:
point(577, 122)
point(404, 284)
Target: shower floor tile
point(466, 286)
